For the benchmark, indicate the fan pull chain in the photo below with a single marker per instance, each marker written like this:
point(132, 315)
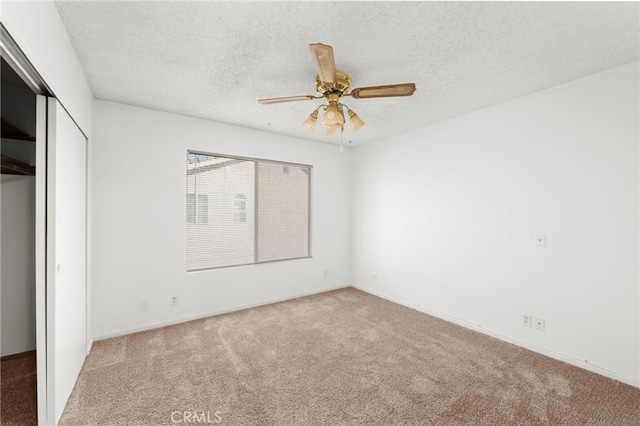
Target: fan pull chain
point(341, 133)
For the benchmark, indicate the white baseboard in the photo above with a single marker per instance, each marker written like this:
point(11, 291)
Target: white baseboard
point(161, 324)
point(541, 350)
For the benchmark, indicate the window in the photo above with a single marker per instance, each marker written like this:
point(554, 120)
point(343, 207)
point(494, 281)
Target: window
point(197, 208)
point(242, 211)
point(241, 208)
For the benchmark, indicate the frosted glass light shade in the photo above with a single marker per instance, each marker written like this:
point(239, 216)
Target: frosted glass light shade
point(310, 123)
point(356, 122)
point(333, 115)
point(330, 117)
point(333, 130)
point(340, 115)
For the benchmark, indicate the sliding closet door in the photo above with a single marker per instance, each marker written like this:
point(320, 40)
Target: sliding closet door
point(41, 256)
point(66, 256)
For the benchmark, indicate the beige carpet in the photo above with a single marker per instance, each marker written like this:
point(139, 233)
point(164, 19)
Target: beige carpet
point(338, 358)
point(18, 390)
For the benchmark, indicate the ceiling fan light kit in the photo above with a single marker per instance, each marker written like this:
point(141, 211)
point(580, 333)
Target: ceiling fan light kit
point(356, 122)
point(333, 85)
point(310, 123)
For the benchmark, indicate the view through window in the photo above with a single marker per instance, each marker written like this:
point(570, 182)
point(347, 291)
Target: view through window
point(242, 211)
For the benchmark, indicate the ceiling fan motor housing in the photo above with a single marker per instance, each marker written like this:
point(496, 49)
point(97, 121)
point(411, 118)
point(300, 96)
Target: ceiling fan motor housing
point(342, 84)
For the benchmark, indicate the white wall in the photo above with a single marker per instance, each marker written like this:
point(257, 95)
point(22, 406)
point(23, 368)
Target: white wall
point(139, 220)
point(18, 264)
point(446, 218)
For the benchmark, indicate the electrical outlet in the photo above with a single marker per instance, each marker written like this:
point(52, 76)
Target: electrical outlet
point(375, 277)
point(526, 320)
point(326, 274)
point(173, 301)
point(538, 324)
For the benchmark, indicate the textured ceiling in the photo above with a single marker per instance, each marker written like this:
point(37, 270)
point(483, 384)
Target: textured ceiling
point(215, 59)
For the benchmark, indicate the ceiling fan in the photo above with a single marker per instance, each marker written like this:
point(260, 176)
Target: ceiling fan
point(332, 85)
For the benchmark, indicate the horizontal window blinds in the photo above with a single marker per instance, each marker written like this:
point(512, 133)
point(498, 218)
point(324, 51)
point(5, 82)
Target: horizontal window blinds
point(214, 237)
point(283, 211)
point(243, 211)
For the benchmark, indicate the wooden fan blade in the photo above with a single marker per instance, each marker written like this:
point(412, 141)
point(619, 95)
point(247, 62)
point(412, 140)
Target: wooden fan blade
point(325, 64)
point(404, 89)
point(285, 99)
